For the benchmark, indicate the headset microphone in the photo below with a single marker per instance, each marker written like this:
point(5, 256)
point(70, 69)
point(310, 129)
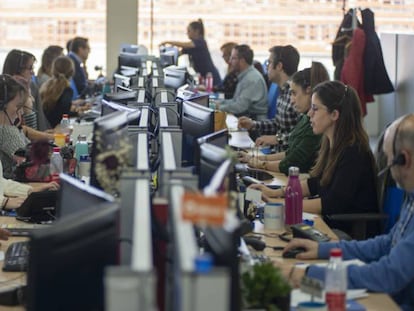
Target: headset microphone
point(399, 160)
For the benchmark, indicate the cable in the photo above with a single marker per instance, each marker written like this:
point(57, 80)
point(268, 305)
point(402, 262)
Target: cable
point(176, 113)
point(163, 90)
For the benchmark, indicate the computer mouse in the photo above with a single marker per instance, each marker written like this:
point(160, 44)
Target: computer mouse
point(293, 252)
point(257, 244)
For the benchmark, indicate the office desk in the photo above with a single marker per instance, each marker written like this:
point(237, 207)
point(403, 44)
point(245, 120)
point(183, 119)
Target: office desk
point(374, 302)
point(10, 279)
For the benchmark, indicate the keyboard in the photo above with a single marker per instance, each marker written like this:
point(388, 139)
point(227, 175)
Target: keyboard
point(16, 258)
point(22, 229)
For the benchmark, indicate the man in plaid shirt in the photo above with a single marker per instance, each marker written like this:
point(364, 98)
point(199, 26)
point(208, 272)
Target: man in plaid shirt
point(282, 64)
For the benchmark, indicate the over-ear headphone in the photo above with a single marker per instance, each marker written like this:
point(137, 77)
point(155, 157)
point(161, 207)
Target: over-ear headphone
point(5, 99)
point(398, 159)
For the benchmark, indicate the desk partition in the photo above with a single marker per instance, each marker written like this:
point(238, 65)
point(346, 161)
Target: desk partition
point(132, 286)
point(189, 290)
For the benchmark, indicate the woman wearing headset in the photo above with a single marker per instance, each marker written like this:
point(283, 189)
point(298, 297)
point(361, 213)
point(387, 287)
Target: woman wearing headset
point(14, 135)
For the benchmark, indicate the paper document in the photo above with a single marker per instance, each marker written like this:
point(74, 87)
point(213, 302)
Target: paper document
point(309, 216)
point(297, 296)
point(241, 139)
point(231, 121)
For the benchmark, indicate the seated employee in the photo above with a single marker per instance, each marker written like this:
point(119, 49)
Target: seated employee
point(282, 64)
point(344, 176)
point(303, 143)
point(388, 257)
point(229, 83)
point(14, 135)
point(250, 97)
point(13, 193)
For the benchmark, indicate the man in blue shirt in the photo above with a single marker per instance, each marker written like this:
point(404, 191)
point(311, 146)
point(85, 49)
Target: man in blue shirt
point(79, 52)
point(388, 257)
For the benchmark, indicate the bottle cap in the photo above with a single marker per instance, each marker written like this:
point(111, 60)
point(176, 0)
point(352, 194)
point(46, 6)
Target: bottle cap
point(293, 171)
point(65, 115)
point(335, 252)
point(82, 137)
point(203, 263)
point(84, 157)
point(56, 149)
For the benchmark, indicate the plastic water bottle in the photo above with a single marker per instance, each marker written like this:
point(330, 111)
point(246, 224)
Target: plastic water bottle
point(84, 166)
point(335, 282)
point(56, 164)
point(293, 198)
point(65, 124)
point(65, 127)
point(81, 147)
point(209, 82)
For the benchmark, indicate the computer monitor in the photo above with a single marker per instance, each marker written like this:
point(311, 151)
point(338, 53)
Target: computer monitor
point(131, 60)
point(134, 113)
point(211, 158)
point(223, 246)
point(196, 121)
point(219, 139)
point(175, 76)
point(75, 196)
point(167, 59)
point(169, 55)
point(202, 99)
point(120, 80)
point(111, 151)
point(129, 48)
point(67, 260)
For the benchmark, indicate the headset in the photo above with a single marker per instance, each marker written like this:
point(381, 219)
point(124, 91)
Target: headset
point(398, 159)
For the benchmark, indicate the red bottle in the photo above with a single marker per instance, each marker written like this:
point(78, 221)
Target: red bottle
point(209, 82)
point(293, 198)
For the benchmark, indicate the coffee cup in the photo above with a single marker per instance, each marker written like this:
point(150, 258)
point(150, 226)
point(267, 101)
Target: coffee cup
point(273, 216)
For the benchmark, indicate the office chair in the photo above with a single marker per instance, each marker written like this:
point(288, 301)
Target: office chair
point(390, 199)
point(271, 98)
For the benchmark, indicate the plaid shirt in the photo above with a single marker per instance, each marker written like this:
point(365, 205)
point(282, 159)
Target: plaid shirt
point(286, 116)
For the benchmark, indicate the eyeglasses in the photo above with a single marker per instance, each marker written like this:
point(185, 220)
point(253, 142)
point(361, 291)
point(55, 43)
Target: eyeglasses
point(315, 108)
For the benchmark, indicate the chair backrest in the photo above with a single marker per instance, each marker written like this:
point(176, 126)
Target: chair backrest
point(390, 197)
point(75, 89)
point(271, 98)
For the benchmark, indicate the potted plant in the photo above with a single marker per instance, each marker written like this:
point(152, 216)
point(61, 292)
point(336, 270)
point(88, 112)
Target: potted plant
point(264, 287)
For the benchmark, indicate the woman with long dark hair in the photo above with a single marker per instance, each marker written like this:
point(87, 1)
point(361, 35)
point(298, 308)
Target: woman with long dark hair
point(344, 176)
